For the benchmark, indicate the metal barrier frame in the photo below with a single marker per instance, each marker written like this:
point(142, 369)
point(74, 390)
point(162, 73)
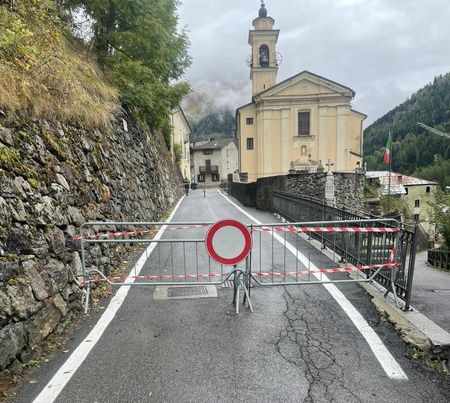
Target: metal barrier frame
point(319, 235)
point(239, 275)
point(243, 277)
point(294, 207)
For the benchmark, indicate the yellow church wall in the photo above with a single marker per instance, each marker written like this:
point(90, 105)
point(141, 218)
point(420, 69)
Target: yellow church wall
point(335, 131)
point(262, 80)
point(328, 138)
point(248, 158)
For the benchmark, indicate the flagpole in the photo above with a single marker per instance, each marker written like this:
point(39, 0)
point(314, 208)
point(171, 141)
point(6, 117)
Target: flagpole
point(390, 171)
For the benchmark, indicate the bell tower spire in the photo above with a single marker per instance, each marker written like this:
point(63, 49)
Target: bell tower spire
point(263, 40)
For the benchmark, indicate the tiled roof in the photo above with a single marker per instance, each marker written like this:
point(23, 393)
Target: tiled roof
point(397, 179)
point(212, 145)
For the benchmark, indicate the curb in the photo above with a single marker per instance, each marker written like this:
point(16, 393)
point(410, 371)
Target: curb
point(414, 328)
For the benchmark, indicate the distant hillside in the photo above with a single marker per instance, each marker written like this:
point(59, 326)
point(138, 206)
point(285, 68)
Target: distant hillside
point(415, 151)
point(220, 123)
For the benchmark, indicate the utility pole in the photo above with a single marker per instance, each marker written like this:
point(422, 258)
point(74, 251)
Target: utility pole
point(433, 130)
point(390, 172)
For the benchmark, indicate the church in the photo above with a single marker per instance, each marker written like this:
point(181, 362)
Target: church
point(305, 122)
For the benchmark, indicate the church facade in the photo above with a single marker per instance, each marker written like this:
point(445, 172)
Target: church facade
point(303, 123)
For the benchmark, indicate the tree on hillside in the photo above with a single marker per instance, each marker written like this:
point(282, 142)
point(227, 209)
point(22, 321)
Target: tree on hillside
point(441, 216)
point(414, 148)
point(138, 44)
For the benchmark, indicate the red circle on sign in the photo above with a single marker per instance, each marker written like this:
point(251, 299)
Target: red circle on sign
point(247, 242)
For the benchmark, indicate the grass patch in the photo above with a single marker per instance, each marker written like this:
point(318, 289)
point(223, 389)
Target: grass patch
point(45, 74)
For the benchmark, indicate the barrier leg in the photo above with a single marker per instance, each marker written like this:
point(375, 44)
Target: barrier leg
point(237, 295)
point(247, 295)
point(88, 294)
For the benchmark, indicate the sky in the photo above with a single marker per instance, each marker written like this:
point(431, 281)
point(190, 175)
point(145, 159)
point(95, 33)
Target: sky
point(384, 49)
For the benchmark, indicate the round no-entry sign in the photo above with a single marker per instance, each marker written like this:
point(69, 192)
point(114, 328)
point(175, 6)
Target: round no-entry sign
point(228, 242)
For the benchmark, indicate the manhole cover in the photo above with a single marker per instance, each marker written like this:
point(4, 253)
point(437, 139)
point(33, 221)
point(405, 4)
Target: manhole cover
point(181, 292)
point(186, 291)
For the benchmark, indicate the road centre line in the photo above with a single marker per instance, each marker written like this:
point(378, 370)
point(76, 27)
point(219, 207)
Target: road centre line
point(390, 366)
point(59, 380)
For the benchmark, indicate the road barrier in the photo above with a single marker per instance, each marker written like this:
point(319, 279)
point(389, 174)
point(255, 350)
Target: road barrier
point(271, 254)
point(301, 208)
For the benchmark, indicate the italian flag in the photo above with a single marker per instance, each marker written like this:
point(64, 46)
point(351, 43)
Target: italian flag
point(387, 151)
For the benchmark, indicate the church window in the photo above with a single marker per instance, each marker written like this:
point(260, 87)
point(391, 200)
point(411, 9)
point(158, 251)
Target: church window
point(264, 59)
point(250, 143)
point(249, 121)
point(304, 122)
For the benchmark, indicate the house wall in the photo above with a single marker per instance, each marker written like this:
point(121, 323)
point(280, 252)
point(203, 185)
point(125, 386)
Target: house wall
point(229, 163)
point(419, 192)
point(180, 136)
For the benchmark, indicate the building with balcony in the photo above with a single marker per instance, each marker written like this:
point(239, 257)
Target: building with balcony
point(213, 160)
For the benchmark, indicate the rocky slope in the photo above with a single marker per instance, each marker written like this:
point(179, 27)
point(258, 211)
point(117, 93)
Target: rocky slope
point(54, 177)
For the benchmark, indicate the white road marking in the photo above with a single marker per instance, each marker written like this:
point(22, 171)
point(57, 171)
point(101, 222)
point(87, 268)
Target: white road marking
point(55, 386)
point(390, 366)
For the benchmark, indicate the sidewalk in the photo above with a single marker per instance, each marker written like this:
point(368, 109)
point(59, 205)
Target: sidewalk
point(431, 292)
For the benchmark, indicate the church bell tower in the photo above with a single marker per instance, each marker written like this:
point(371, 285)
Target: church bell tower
point(263, 40)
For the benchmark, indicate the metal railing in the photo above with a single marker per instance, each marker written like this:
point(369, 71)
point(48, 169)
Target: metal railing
point(209, 169)
point(439, 258)
point(350, 246)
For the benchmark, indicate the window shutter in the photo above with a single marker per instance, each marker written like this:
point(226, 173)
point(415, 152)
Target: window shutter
point(304, 124)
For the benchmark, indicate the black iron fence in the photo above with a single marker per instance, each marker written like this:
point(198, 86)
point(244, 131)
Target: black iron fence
point(357, 248)
point(439, 258)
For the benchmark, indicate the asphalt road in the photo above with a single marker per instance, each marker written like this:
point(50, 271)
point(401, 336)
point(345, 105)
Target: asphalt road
point(298, 346)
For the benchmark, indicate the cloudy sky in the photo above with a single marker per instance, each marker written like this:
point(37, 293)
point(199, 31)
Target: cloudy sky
point(383, 49)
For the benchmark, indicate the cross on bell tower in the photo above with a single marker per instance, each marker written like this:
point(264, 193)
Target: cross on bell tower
point(263, 40)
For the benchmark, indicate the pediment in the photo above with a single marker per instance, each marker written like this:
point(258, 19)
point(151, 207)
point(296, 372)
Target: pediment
point(306, 84)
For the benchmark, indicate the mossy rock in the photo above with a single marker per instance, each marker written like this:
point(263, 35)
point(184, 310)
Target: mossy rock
point(10, 160)
point(54, 144)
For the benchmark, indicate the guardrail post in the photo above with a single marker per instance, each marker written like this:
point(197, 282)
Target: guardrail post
point(411, 267)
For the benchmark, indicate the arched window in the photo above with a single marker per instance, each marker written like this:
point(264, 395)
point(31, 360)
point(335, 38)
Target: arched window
point(264, 59)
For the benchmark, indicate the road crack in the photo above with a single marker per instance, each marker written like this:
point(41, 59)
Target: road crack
point(304, 343)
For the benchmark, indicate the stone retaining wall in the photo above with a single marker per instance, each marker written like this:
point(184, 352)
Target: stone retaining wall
point(348, 188)
point(52, 179)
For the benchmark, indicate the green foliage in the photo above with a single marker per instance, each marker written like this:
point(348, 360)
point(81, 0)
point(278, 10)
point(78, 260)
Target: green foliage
point(219, 123)
point(413, 147)
point(139, 44)
point(441, 215)
point(439, 172)
point(393, 205)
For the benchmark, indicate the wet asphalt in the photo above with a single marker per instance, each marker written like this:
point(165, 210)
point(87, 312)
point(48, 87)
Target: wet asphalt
point(298, 345)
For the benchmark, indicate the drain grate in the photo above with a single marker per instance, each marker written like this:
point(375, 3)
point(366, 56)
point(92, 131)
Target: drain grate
point(182, 292)
point(174, 292)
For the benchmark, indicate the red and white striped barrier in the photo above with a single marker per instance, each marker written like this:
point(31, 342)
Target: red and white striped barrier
point(289, 229)
point(197, 276)
point(294, 229)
